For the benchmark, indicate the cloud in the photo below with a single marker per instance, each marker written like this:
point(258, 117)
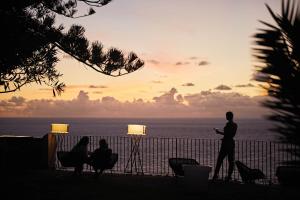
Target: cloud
point(245, 85)
point(179, 98)
point(182, 63)
point(17, 101)
point(4, 104)
point(194, 59)
point(13, 102)
point(203, 63)
point(154, 62)
point(83, 96)
point(206, 92)
point(223, 87)
point(97, 86)
point(212, 104)
point(167, 98)
point(109, 99)
point(12, 107)
point(169, 104)
point(188, 84)
point(157, 82)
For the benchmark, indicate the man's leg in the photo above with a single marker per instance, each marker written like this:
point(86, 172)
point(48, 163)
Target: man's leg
point(230, 161)
point(220, 159)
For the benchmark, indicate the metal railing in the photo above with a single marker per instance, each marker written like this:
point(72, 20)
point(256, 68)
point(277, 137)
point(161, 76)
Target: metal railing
point(155, 152)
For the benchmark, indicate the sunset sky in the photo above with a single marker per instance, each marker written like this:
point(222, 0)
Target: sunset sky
point(198, 63)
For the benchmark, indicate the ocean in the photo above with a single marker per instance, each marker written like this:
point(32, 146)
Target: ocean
point(248, 129)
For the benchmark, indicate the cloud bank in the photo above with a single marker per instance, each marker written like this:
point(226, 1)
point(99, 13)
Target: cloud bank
point(188, 84)
point(154, 62)
point(179, 63)
point(170, 104)
point(245, 85)
point(98, 86)
point(203, 62)
point(222, 87)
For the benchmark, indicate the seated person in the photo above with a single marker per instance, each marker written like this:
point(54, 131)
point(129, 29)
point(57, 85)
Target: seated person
point(81, 150)
point(101, 157)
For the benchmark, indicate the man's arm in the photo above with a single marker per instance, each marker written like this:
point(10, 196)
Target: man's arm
point(219, 132)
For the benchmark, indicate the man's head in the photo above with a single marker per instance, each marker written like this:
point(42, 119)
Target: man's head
point(103, 143)
point(84, 140)
point(229, 116)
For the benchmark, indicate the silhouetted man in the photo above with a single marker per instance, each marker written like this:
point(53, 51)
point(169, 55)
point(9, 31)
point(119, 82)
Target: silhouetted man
point(101, 157)
point(227, 147)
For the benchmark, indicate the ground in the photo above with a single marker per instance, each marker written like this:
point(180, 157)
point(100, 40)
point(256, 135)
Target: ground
point(56, 185)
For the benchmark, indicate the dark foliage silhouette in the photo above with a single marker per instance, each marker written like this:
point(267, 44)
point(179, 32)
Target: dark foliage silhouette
point(278, 54)
point(31, 41)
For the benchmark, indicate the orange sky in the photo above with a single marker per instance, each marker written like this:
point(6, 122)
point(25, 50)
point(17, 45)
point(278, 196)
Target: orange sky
point(193, 46)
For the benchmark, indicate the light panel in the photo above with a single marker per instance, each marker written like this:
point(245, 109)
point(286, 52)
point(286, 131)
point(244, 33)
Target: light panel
point(60, 128)
point(135, 129)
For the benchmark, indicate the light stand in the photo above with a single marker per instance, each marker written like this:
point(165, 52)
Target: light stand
point(55, 142)
point(136, 132)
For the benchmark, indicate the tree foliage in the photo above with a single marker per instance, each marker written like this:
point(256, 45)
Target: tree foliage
point(278, 53)
point(31, 41)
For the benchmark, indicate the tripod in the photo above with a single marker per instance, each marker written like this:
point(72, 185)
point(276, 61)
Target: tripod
point(135, 158)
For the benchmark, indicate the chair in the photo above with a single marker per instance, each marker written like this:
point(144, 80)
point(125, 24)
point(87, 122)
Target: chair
point(247, 174)
point(288, 175)
point(176, 164)
point(70, 159)
point(103, 165)
point(196, 178)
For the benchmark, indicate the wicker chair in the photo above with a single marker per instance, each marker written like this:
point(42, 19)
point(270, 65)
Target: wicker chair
point(73, 159)
point(176, 164)
point(102, 165)
point(70, 159)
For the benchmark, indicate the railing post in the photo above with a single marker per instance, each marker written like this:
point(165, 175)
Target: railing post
point(270, 153)
point(176, 148)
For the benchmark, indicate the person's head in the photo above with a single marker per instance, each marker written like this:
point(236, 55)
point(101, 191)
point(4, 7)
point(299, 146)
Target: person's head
point(84, 141)
point(229, 116)
point(103, 143)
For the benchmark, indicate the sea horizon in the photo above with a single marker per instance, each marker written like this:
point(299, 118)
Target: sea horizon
point(248, 128)
point(75, 117)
